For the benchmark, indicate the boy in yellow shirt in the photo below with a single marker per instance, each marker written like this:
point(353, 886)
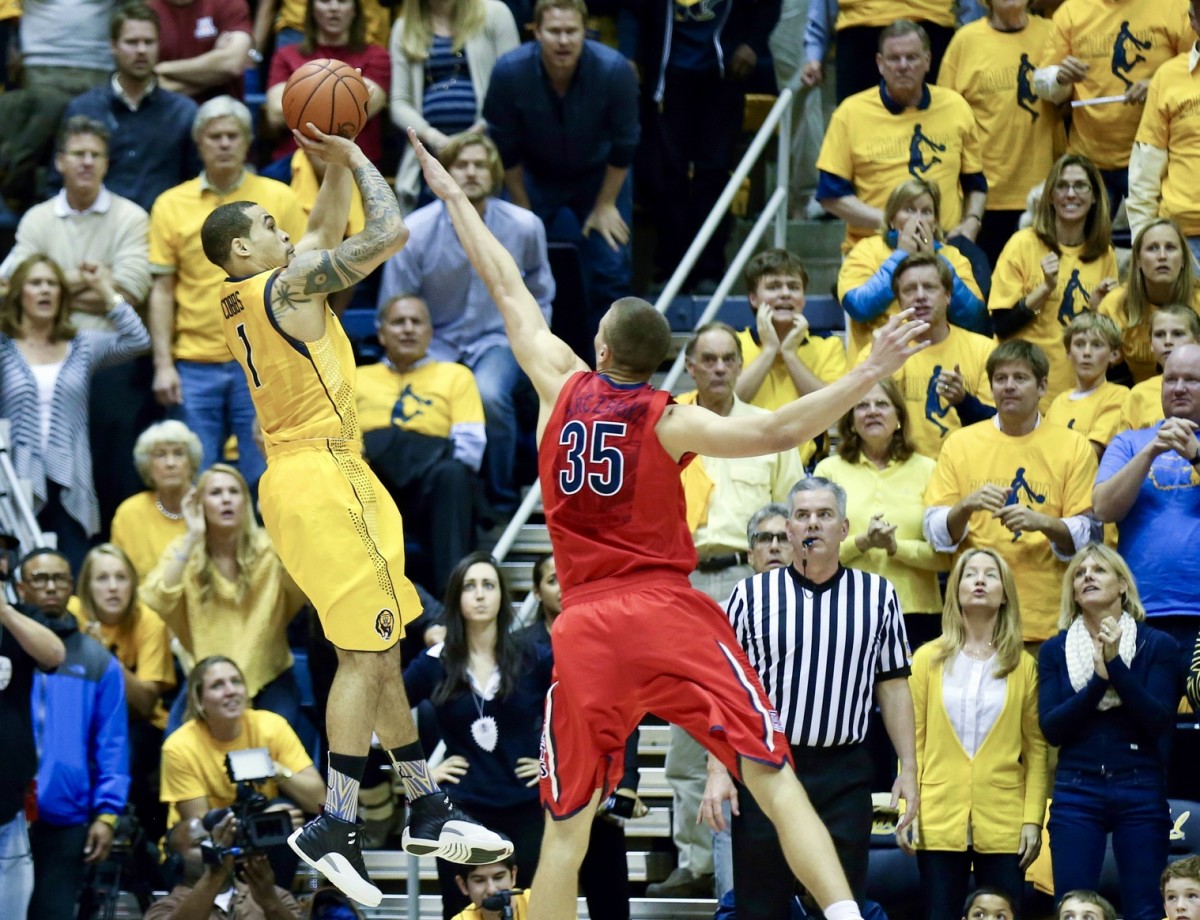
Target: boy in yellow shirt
point(1093, 408)
point(1172, 325)
point(482, 884)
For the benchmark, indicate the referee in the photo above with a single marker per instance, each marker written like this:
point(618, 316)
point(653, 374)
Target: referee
point(825, 641)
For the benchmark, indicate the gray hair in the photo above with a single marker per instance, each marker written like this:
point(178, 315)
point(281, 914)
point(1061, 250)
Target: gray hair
point(774, 509)
point(820, 484)
point(160, 433)
point(385, 305)
point(222, 107)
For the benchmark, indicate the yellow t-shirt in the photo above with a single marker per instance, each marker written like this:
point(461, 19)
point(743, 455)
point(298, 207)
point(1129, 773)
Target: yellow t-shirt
point(930, 419)
point(885, 12)
point(193, 761)
point(1018, 132)
point(301, 390)
point(141, 643)
point(1171, 121)
point(520, 906)
point(175, 222)
point(1122, 43)
point(876, 150)
point(139, 528)
point(825, 357)
point(898, 493)
point(1051, 469)
point(1096, 416)
point(306, 186)
point(1135, 340)
point(1143, 405)
point(249, 626)
point(861, 264)
point(1019, 271)
point(429, 399)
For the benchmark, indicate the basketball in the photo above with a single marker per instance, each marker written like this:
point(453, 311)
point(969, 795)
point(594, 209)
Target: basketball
point(331, 94)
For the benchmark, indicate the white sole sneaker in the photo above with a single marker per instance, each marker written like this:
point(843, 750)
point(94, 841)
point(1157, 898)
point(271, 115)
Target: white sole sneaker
point(460, 842)
point(337, 869)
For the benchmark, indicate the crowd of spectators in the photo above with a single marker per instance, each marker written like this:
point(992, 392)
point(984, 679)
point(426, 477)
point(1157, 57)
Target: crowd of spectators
point(1022, 176)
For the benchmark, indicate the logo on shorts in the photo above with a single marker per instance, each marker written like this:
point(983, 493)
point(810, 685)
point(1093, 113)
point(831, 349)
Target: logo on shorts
point(385, 624)
point(775, 722)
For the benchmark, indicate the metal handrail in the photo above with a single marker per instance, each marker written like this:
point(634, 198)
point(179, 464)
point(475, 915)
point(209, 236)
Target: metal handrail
point(16, 510)
point(775, 210)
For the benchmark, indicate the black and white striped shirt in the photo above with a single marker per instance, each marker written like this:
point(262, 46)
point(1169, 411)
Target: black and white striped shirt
point(819, 649)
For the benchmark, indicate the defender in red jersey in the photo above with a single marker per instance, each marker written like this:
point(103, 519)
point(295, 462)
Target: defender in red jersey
point(634, 637)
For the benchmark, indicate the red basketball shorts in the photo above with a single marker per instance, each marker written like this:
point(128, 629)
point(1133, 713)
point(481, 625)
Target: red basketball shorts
point(658, 646)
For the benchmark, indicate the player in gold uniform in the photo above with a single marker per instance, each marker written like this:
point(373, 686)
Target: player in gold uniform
point(335, 527)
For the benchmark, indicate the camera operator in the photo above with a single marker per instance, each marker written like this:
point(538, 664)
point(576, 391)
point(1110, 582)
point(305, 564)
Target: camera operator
point(484, 885)
point(195, 777)
point(211, 889)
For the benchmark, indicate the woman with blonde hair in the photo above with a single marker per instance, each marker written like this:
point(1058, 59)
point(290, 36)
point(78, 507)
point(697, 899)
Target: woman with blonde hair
point(46, 369)
point(1160, 273)
point(981, 757)
point(911, 223)
point(167, 457)
point(110, 613)
point(443, 52)
point(223, 591)
point(1109, 688)
point(885, 479)
point(1060, 266)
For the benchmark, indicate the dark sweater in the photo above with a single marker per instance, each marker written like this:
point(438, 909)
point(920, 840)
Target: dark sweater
point(489, 780)
point(1132, 735)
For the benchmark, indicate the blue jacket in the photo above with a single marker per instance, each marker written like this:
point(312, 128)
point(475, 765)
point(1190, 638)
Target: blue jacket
point(81, 730)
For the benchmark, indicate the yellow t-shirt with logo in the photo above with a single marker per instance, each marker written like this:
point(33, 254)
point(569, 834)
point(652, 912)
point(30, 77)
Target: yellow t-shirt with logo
point(1019, 271)
point(1051, 470)
point(1171, 121)
point(1122, 43)
point(1018, 132)
point(428, 399)
point(1143, 405)
point(1135, 340)
point(175, 222)
point(859, 267)
point(1096, 416)
point(876, 150)
point(930, 418)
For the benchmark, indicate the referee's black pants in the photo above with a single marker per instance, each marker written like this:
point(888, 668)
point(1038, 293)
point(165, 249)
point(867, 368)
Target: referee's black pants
point(838, 783)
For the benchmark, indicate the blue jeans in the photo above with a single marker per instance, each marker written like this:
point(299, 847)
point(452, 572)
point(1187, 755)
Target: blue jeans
point(216, 404)
point(16, 867)
point(1194, 245)
point(1132, 806)
point(722, 845)
point(497, 374)
point(608, 272)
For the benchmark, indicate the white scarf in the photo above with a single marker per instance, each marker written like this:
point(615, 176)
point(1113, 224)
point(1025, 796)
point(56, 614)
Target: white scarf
point(1081, 656)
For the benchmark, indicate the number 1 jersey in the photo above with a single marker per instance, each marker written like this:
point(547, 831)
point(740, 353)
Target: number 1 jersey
point(612, 495)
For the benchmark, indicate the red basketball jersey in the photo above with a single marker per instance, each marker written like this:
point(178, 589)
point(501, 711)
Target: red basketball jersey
point(613, 497)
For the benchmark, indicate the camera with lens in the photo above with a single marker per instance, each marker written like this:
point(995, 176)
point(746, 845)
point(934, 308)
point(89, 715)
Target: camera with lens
point(501, 902)
point(257, 829)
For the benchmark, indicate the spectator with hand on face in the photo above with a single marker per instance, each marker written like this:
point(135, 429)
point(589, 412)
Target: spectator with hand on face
point(214, 892)
point(911, 224)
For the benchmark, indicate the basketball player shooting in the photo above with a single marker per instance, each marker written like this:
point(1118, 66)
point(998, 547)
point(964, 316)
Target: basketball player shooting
point(336, 529)
point(634, 637)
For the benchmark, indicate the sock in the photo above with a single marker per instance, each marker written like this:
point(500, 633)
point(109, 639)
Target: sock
point(341, 794)
point(409, 763)
point(842, 910)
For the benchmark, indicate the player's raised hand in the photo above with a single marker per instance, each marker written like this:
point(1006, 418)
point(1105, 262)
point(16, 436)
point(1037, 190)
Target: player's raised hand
point(329, 148)
point(439, 181)
point(896, 341)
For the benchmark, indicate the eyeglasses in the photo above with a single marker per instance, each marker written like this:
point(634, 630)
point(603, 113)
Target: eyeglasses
point(44, 579)
point(1079, 188)
point(766, 537)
